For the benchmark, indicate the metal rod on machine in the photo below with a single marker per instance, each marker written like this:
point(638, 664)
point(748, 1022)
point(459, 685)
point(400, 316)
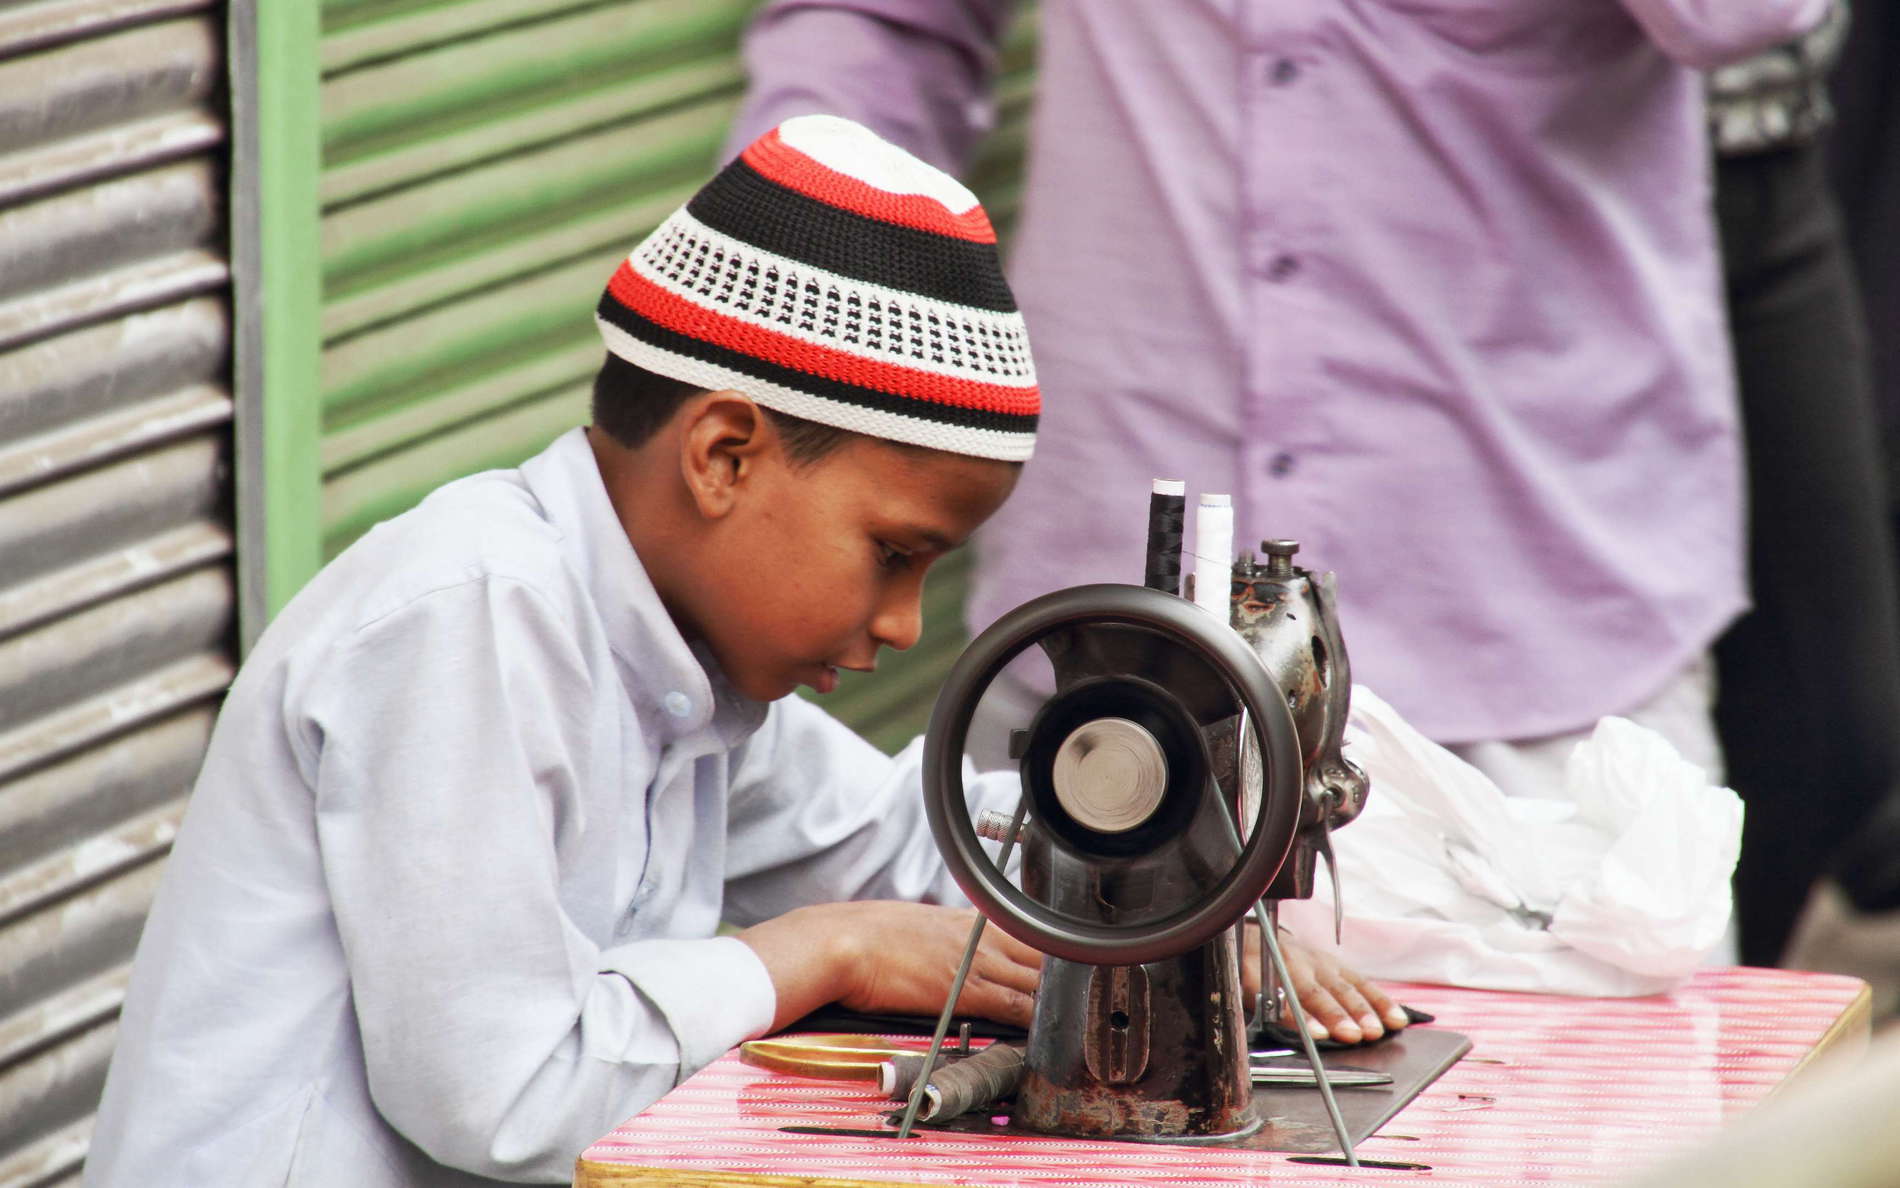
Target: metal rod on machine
point(956, 986)
point(1167, 514)
point(1272, 943)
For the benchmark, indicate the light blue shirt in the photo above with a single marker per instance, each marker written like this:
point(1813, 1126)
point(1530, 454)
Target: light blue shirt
point(443, 906)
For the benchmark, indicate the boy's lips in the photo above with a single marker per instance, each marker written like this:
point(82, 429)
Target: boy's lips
point(827, 678)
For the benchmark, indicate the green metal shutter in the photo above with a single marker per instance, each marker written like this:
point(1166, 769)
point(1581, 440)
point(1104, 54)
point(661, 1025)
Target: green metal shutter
point(116, 587)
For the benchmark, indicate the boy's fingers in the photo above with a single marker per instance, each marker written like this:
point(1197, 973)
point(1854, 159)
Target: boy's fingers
point(1355, 1005)
point(989, 1000)
point(1350, 1006)
point(1368, 1003)
point(1389, 1011)
point(1014, 1006)
point(1325, 1011)
point(1003, 971)
point(1019, 952)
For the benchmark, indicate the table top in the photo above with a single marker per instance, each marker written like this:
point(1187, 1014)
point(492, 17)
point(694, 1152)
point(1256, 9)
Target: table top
point(1555, 1089)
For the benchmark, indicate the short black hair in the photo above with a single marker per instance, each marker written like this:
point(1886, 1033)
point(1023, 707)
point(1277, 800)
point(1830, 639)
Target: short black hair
point(632, 403)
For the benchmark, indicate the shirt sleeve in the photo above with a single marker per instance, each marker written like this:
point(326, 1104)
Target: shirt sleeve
point(917, 72)
point(497, 1036)
point(818, 815)
point(1705, 34)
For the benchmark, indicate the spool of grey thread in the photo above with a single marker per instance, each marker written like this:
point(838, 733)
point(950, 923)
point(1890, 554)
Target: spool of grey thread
point(956, 1089)
point(896, 1075)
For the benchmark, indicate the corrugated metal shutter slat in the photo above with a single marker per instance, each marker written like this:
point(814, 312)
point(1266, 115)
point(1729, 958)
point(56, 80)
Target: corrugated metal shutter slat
point(116, 592)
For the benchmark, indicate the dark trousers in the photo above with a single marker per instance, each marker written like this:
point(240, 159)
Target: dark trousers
point(1809, 698)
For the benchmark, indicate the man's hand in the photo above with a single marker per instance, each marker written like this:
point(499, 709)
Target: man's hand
point(890, 957)
point(1341, 1004)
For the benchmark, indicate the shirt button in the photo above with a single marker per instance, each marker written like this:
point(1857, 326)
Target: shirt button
point(677, 704)
point(1283, 71)
point(1282, 268)
point(1281, 465)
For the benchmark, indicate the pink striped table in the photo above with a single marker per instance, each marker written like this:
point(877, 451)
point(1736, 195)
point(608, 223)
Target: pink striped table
point(1554, 1091)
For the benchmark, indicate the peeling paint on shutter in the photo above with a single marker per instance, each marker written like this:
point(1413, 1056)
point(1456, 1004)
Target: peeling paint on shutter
point(116, 585)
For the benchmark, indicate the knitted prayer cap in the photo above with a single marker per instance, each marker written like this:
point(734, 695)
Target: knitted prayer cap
point(829, 274)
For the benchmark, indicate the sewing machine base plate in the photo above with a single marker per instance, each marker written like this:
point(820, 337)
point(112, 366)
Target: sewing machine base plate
point(1295, 1118)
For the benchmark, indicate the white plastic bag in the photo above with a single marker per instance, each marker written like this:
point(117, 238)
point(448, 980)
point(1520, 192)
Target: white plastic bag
point(1622, 888)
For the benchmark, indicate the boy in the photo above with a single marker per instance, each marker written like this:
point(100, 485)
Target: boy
point(443, 908)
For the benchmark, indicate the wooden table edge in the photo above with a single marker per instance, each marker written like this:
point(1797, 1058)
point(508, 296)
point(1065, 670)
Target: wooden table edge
point(588, 1174)
point(1854, 1027)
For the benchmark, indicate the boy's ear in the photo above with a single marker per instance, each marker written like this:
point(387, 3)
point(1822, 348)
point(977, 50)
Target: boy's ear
point(722, 442)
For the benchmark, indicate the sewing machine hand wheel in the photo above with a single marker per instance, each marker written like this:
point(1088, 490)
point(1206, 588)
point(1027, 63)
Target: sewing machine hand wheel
point(1141, 676)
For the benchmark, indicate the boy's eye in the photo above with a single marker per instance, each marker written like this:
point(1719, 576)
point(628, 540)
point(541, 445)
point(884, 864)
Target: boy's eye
point(892, 557)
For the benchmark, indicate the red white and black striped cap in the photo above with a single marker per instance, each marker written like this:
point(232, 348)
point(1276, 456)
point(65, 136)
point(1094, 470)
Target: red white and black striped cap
point(830, 275)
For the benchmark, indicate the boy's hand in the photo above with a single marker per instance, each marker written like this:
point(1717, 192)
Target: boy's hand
point(890, 957)
point(1341, 1003)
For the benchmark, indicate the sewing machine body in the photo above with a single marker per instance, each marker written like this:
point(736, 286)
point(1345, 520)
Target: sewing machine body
point(1159, 1050)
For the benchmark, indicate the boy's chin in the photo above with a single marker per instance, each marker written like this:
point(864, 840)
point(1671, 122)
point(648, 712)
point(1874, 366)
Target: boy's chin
point(819, 680)
point(768, 681)
point(768, 686)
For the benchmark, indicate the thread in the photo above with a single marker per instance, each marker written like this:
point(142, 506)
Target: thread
point(896, 1075)
point(956, 1089)
point(1214, 555)
point(1167, 513)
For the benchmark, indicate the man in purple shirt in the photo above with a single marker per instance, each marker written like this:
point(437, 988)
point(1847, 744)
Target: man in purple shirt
point(1430, 286)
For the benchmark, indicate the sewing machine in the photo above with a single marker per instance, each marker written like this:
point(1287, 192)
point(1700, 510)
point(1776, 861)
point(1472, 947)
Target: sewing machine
point(1183, 770)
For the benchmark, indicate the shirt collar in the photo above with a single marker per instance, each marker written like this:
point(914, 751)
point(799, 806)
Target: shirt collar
point(677, 687)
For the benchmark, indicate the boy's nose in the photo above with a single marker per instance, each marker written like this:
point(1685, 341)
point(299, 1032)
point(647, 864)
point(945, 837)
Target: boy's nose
point(900, 620)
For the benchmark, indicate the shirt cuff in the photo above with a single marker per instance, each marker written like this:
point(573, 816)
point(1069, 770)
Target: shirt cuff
point(713, 992)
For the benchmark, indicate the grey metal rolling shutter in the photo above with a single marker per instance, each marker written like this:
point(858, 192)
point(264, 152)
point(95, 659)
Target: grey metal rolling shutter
point(116, 588)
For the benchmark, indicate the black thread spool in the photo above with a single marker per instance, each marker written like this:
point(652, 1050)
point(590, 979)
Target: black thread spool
point(1167, 513)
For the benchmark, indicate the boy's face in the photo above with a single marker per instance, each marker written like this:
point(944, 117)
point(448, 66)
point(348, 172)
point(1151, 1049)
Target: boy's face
point(819, 566)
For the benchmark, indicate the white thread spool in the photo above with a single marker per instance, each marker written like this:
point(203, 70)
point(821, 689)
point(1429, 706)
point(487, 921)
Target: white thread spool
point(1214, 554)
